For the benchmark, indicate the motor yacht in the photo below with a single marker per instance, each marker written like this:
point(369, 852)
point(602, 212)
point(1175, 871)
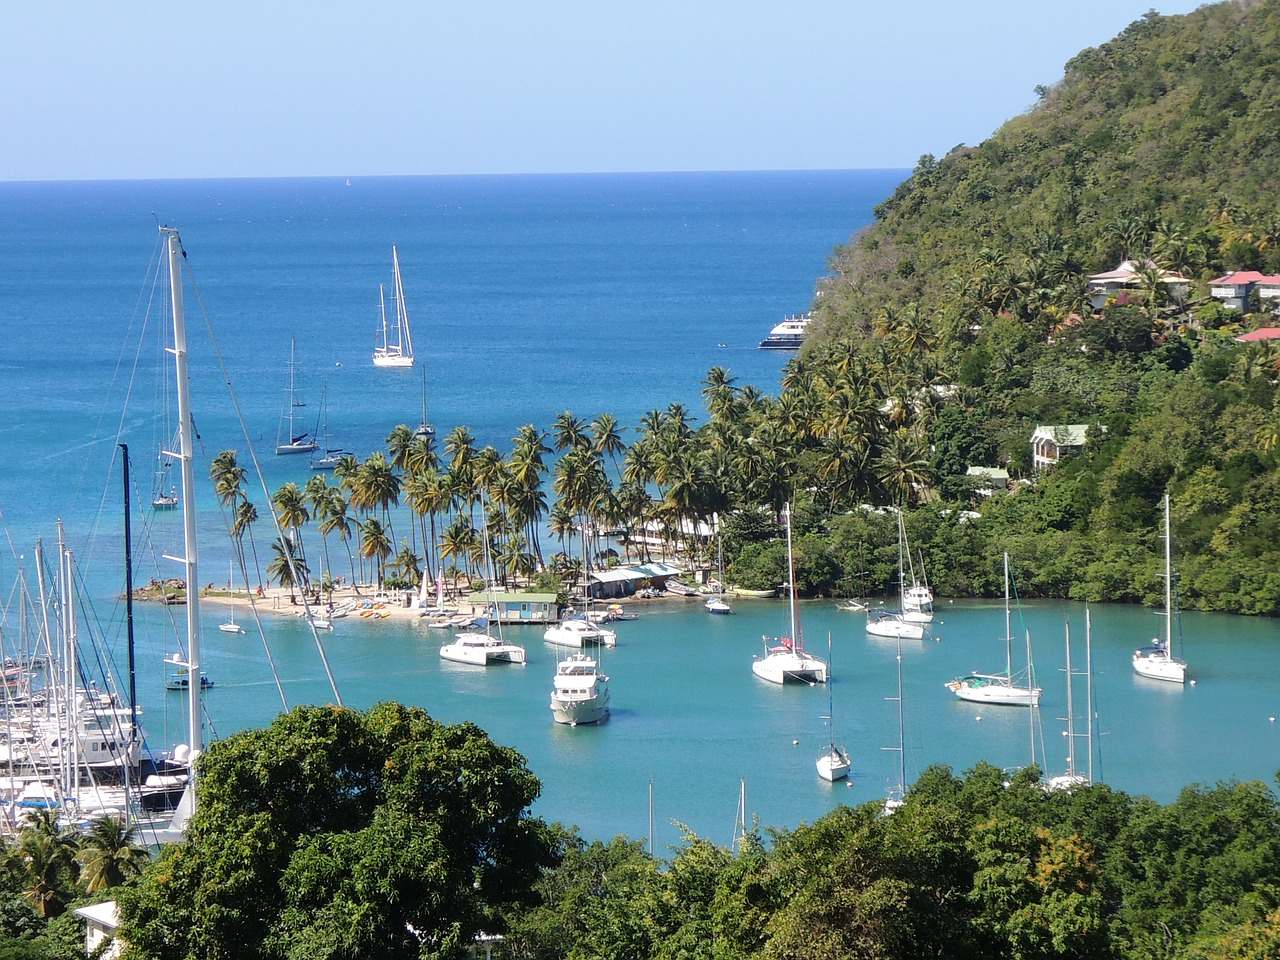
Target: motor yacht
point(580, 692)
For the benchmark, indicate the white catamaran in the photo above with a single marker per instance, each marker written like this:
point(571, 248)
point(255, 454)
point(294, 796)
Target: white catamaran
point(1157, 661)
point(397, 352)
point(785, 658)
point(1000, 688)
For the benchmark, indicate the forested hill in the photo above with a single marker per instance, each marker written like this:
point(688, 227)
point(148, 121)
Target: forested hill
point(965, 311)
point(1164, 140)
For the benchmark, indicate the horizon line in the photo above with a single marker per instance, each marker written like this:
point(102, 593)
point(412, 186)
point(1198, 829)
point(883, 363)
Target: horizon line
point(423, 176)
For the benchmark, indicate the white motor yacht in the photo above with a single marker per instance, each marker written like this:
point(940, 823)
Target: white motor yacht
point(481, 650)
point(579, 633)
point(580, 692)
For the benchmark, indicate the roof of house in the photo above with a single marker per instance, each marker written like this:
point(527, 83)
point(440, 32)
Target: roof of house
point(1236, 278)
point(991, 473)
point(103, 914)
point(1128, 270)
point(1262, 333)
point(523, 598)
point(1064, 435)
point(641, 571)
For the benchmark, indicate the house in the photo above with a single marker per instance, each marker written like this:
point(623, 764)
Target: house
point(987, 480)
point(1127, 276)
point(100, 924)
point(1049, 444)
point(518, 607)
point(1261, 335)
point(625, 581)
point(1234, 289)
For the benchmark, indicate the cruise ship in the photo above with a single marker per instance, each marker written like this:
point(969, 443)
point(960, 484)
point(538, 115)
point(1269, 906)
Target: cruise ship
point(788, 335)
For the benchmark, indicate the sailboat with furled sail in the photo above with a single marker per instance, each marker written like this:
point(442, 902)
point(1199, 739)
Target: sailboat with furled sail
point(290, 441)
point(785, 658)
point(1000, 688)
point(394, 351)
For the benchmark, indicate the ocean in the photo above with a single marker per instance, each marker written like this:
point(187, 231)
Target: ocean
point(528, 296)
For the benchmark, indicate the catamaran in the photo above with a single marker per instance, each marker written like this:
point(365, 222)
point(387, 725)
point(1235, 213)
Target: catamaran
point(834, 764)
point(1157, 661)
point(887, 623)
point(785, 658)
point(396, 352)
point(999, 688)
point(482, 649)
point(292, 441)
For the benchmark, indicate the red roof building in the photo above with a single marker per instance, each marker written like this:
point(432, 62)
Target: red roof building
point(1260, 335)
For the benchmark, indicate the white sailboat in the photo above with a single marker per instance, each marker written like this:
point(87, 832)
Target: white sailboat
point(717, 603)
point(891, 624)
point(397, 352)
point(999, 688)
point(482, 649)
point(230, 626)
point(1157, 661)
point(785, 658)
point(897, 795)
point(424, 431)
point(917, 599)
point(834, 764)
point(1074, 777)
point(292, 441)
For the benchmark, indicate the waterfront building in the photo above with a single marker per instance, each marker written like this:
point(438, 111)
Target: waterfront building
point(519, 607)
point(625, 581)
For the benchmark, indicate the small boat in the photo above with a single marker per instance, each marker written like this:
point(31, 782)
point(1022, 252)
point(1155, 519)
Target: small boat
point(230, 626)
point(1157, 662)
point(680, 589)
point(397, 352)
point(182, 681)
point(834, 764)
point(755, 594)
point(322, 623)
point(293, 442)
point(480, 649)
point(851, 605)
point(895, 624)
point(579, 633)
point(579, 692)
point(789, 334)
point(440, 623)
point(785, 658)
point(717, 605)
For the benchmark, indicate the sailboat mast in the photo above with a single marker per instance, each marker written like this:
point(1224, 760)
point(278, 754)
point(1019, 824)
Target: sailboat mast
point(1008, 633)
point(186, 456)
point(1088, 686)
point(128, 596)
point(382, 311)
point(902, 739)
point(1168, 581)
point(292, 368)
point(403, 337)
point(1071, 725)
point(1035, 708)
point(791, 585)
point(902, 582)
point(831, 716)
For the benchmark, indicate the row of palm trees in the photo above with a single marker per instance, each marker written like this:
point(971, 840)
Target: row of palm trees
point(851, 423)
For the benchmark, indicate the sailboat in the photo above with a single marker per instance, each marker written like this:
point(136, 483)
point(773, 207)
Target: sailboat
point(581, 631)
point(230, 626)
point(1157, 661)
point(1073, 777)
point(332, 456)
point(834, 764)
point(425, 430)
point(917, 599)
point(887, 623)
point(397, 352)
point(482, 649)
point(293, 441)
point(998, 688)
point(163, 495)
point(897, 795)
point(785, 658)
point(717, 602)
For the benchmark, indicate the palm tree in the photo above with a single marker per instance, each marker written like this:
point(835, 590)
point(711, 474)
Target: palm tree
point(408, 564)
point(569, 432)
point(903, 468)
point(287, 567)
point(606, 440)
point(375, 544)
point(334, 519)
point(399, 446)
point(109, 856)
point(291, 510)
point(317, 494)
point(48, 864)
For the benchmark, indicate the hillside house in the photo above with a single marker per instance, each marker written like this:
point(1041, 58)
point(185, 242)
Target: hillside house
point(1127, 277)
point(1049, 444)
point(987, 480)
point(1234, 289)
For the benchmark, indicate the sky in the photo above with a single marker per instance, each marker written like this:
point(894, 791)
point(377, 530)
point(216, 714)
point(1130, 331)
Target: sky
point(241, 88)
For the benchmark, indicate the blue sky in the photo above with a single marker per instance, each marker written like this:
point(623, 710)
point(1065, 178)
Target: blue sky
point(312, 87)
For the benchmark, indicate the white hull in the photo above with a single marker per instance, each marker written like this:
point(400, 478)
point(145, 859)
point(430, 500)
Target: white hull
point(718, 606)
point(230, 628)
point(285, 449)
point(574, 712)
point(1157, 667)
point(994, 690)
point(834, 765)
point(894, 628)
point(779, 667)
point(391, 360)
point(482, 656)
point(569, 634)
point(918, 616)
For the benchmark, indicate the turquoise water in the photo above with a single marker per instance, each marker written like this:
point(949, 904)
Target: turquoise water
point(529, 295)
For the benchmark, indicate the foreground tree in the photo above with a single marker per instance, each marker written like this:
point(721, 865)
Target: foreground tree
point(335, 833)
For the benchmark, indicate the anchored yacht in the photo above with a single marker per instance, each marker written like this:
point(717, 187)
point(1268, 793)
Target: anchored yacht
point(789, 334)
point(580, 692)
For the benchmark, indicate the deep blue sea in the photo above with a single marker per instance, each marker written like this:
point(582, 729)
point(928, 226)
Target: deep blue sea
point(528, 296)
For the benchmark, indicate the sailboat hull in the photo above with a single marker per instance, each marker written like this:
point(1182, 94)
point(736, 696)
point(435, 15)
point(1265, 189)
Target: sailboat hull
point(392, 360)
point(994, 691)
point(895, 629)
point(288, 448)
point(1159, 668)
point(781, 668)
point(834, 765)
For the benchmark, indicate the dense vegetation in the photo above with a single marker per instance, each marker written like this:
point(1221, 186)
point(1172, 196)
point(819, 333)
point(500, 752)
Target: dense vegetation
point(386, 835)
point(947, 331)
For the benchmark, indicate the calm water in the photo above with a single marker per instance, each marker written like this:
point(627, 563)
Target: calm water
point(529, 295)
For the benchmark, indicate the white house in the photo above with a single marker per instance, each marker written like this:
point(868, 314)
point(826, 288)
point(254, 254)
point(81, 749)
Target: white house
point(987, 480)
point(1126, 276)
point(1049, 444)
point(100, 924)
